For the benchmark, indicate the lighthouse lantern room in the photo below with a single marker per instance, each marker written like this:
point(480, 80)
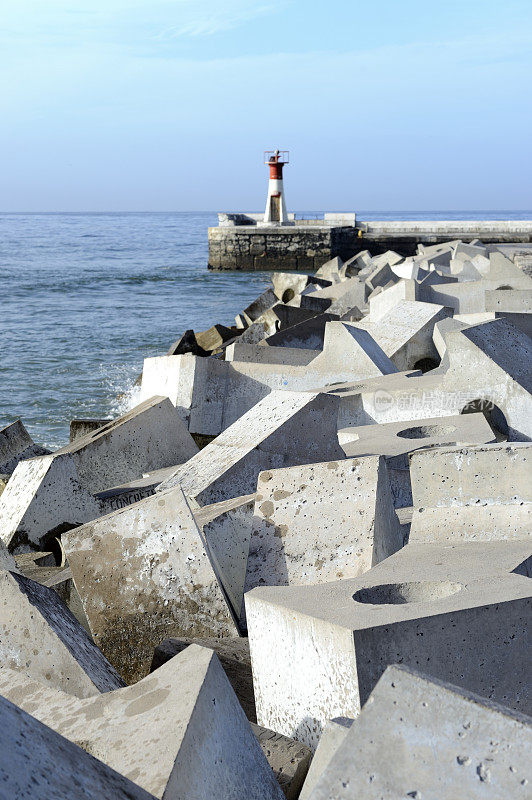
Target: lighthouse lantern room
point(275, 213)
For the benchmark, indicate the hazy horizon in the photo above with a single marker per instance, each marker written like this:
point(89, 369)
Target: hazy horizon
point(139, 106)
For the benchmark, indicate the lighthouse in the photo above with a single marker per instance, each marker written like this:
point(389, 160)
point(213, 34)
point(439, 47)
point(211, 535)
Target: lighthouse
point(275, 213)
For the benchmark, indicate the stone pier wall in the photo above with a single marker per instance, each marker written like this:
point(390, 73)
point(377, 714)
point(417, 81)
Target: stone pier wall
point(248, 247)
point(306, 246)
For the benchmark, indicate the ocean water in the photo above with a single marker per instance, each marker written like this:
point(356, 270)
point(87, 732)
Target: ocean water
point(86, 297)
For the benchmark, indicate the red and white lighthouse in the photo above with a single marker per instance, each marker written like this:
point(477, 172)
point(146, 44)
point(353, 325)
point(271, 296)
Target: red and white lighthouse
point(275, 213)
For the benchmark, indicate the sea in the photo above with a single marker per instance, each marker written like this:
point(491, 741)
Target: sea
point(85, 297)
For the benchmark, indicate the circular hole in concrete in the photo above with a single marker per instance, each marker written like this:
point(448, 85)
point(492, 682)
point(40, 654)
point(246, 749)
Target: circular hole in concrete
point(504, 288)
point(423, 431)
point(426, 364)
point(288, 295)
point(400, 593)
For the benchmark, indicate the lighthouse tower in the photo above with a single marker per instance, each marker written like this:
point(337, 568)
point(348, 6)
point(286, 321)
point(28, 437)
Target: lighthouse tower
point(275, 213)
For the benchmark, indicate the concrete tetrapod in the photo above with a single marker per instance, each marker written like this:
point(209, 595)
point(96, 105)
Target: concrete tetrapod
point(40, 637)
point(458, 612)
point(439, 742)
point(145, 573)
point(178, 733)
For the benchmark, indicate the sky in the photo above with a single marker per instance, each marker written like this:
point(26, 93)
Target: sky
point(168, 105)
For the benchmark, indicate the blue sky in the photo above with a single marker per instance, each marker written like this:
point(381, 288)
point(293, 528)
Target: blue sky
point(168, 104)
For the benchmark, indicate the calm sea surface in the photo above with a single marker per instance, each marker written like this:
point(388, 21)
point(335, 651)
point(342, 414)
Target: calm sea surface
point(86, 297)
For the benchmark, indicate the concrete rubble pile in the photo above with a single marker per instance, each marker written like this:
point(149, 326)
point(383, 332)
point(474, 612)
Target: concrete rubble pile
point(308, 546)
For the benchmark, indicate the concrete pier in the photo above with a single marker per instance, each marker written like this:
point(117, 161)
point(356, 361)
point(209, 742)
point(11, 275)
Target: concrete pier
point(242, 242)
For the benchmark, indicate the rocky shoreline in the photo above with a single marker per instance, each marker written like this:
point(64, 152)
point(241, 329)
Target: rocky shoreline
point(300, 566)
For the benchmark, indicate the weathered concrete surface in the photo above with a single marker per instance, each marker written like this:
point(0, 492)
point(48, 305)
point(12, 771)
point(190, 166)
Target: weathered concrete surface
point(6, 559)
point(288, 759)
point(40, 637)
point(35, 762)
point(331, 738)
point(491, 362)
point(337, 298)
point(227, 538)
point(235, 659)
point(179, 732)
point(17, 445)
point(321, 522)
point(43, 499)
point(394, 439)
point(308, 334)
point(258, 354)
point(436, 608)
point(148, 437)
point(81, 427)
point(210, 395)
point(284, 429)
point(472, 493)
point(405, 332)
point(144, 573)
point(438, 741)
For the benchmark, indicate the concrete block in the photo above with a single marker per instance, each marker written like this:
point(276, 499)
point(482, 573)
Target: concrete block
point(220, 395)
point(35, 762)
point(43, 499)
point(357, 262)
point(332, 736)
point(488, 365)
point(234, 657)
point(288, 285)
point(179, 732)
point(227, 538)
point(284, 429)
point(17, 445)
point(442, 328)
point(395, 439)
point(6, 559)
point(288, 759)
point(81, 427)
point(144, 573)
point(308, 334)
point(337, 299)
point(436, 608)
point(332, 267)
point(42, 638)
point(480, 493)
point(405, 332)
point(321, 522)
point(277, 318)
point(440, 741)
point(148, 437)
point(380, 275)
point(258, 354)
point(381, 303)
point(516, 301)
point(255, 309)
